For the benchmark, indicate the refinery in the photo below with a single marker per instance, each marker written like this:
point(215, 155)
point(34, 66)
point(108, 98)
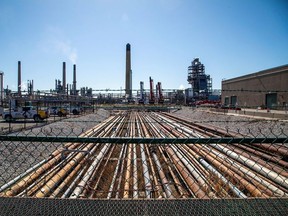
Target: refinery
point(65, 94)
point(144, 144)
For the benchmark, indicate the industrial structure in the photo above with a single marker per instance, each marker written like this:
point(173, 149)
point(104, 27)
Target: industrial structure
point(1, 86)
point(63, 92)
point(19, 78)
point(64, 78)
point(142, 93)
point(265, 89)
point(159, 93)
point(151, 96)
point(61, 95)
point(128, 84)
point(201, 83)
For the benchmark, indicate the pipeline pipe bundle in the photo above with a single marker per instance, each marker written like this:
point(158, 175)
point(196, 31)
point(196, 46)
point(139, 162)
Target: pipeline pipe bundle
point(145, 171)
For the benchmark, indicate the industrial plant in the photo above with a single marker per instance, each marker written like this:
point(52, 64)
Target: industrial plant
point(246, 91)
point(98, 150)
point(65, 93)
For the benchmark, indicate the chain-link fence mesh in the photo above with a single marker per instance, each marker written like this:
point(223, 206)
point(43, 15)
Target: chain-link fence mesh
point(146, 155)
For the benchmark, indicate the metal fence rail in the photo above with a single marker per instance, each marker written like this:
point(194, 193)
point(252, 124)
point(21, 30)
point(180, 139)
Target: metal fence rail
point(139, 140)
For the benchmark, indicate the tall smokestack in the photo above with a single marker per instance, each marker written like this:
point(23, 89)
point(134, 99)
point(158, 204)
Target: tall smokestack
point(128, 84)
point(19, 78)
point(64, 78)
point(74, 79)
point(2, 86)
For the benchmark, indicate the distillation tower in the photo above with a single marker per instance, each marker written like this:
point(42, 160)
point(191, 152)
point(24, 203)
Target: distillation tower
point(201, 83)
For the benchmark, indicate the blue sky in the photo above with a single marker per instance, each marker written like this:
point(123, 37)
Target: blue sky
point(231, 38)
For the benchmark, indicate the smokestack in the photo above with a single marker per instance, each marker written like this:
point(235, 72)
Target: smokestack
point(128, 84)
point(74, 79)
point(19, 78)
point(2, 86)
point(64, 78)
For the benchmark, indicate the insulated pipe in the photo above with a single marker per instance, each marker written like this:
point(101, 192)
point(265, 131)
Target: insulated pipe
point(91, 183)
point(120, 159)
point(68, 180)
point(220, 176)
point(13, 181)
point(135, 171)
point(128, 166)
point(134, 158)
point(119, 180)
point(175, 178)
point(112, 185)
point(26, 181)
point(252, 175)
point(148, 184)
point(185, 131)
point(273, 167)
point(197, 170)
point(78, 190)
point(253, 165)
point(128, 173)
point(185, 174)
point(55, 180)
point(278, 149)
point(97, 175)
point(69, 190)
point(229, 169)
point(198, 148)
point(263, 154)
point(191, 169)
point(121, 171)
point(36, 185)
point(163, 179)
point(195, 187)
point(155, 188)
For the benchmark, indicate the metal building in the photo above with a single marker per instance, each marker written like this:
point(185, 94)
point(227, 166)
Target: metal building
point(200, 82)
point(265, 89)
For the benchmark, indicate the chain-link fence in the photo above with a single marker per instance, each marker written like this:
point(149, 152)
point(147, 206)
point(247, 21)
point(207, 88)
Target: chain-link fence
point(143, 155)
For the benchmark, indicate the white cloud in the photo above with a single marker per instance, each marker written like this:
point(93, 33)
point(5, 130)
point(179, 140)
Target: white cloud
point(55, 41)
point(181, 87)
point(65, 48)
point(23, 86)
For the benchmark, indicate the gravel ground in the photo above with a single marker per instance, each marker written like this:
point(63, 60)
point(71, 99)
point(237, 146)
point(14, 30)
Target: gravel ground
point(244, 125)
